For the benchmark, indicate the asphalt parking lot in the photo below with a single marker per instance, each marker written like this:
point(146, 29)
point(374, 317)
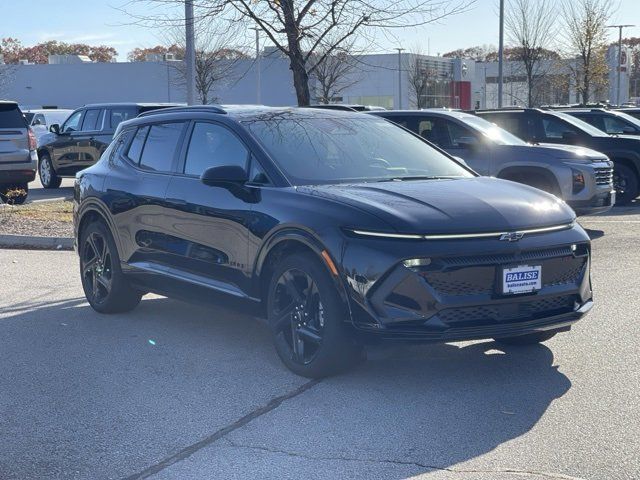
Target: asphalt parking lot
point(174, 391)
point(39, 194)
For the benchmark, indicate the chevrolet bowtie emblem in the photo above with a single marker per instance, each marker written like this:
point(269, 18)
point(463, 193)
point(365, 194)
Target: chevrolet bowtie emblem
point(511, 236)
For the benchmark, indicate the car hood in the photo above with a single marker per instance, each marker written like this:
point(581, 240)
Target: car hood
point(469, 205)
point(574, 153)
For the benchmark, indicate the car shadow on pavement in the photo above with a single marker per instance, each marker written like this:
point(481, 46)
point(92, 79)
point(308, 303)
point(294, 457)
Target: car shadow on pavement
point(142, 385)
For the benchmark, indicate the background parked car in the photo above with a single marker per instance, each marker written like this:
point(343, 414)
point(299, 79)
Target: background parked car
point(613, 122)
point(545, 126)
point(81, 139)
point(581, 177)
point(18, 157)
point(40, 120)
point(633, 111)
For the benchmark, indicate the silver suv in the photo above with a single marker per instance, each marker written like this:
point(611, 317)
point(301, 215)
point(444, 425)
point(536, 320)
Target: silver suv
point(18, 156)
point(581, 177)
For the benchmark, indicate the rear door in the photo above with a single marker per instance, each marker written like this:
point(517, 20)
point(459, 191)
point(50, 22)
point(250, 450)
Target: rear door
point(136, 187)
point(14, 143)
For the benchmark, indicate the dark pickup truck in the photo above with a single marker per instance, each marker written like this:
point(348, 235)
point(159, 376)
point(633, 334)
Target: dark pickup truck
point(81, 139)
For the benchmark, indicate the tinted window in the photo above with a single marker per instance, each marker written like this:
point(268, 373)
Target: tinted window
point(615, 125)
point(213, 145)
point(455, 135)
point(73, 122)
point(11, 116)
point(135, 149)
point(90, 121)
point(257, 174)
point(316, 150)
point(29, 116)
point(39, 120)
point(427, 130)
point(556, 129)
point(160, 147)
point(118, 115)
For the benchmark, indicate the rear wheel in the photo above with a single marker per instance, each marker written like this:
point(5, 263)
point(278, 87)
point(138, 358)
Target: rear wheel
point(530, 339)
point(307, 318)
point(48, 176)
point(14, 194)
point(625, 183)
point(105, 286)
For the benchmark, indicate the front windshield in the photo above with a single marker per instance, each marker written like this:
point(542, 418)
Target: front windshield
point(580, 124)
point(491, 131)
point(323, 150)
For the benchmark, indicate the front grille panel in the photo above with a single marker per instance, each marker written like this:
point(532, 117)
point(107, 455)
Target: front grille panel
point(604, 176)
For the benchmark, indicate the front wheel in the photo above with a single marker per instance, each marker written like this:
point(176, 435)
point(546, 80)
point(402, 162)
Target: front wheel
point(625, 183)
point(48, 176)
point(307, 319)
point(530, 339)
point(105, 286)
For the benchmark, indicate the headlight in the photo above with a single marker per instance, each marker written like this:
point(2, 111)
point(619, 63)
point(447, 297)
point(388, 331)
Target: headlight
point(578, 180)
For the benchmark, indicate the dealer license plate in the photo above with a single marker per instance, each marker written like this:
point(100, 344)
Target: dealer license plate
point(521, 279)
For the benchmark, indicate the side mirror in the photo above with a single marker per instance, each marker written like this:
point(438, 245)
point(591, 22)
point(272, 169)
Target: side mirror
point(629, 130)
point(226, 175)
point(55, 128)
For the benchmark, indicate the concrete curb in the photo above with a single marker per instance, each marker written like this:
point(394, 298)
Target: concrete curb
point(27, 242)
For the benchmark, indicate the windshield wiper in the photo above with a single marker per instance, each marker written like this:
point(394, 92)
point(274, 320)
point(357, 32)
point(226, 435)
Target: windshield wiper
point(415, 177)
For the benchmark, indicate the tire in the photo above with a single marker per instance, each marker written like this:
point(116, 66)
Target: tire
point(307, 319)
point(530, 339)
point(48, 176)
point(625, 183)
point(106, 288)
point(14, 199)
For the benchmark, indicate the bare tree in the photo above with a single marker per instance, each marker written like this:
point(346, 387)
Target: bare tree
point(419, 77)
point(334, 72)
point(585, 30)
point(530, 26)
point(217, 55)
point(304, 29)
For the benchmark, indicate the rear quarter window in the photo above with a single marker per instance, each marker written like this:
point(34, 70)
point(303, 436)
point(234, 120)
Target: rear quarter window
point(11, 117)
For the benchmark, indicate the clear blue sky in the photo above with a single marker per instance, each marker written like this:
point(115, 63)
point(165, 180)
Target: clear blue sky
point(103, 22)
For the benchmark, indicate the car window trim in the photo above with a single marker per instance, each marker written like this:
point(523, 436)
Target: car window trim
point(182, 163)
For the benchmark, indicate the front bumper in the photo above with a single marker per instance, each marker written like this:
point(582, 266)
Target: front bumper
point(599, 203)
point(457, 297)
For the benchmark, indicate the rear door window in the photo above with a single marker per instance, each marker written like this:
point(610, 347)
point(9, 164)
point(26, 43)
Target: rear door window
point(160, 147)
point(11, 116)
point(91, 120)
point(119, 115)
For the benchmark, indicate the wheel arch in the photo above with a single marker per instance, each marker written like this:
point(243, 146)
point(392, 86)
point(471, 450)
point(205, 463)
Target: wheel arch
point(288, 241)
point(93, 210)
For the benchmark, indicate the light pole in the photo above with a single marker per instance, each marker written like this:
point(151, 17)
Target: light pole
point(501, 54)
point(400, 50)
point(619, 27)
point(258, 66)
point(190, 52)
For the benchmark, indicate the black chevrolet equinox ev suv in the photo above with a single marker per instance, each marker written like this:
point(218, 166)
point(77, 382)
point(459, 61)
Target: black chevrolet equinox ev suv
point(338, 228)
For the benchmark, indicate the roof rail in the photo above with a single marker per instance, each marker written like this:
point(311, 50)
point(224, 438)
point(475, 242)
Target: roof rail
point(194, 108)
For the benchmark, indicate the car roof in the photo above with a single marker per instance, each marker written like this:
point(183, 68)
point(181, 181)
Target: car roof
point(47, 110)
point(436, 112)
point(238, 112)
point(8, 102)
point(130, 104)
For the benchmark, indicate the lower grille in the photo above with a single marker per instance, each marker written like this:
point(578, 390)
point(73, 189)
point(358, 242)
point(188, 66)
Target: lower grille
point(491, 314)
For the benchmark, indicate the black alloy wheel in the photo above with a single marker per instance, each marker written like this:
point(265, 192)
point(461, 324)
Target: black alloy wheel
point(299, 316)
point(625, 183)
point(105, 286)
point(308, 318)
